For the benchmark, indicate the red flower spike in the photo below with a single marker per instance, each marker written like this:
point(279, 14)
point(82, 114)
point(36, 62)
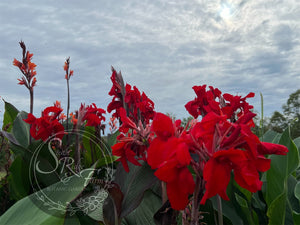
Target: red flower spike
point(93, 115)
point(27, 68)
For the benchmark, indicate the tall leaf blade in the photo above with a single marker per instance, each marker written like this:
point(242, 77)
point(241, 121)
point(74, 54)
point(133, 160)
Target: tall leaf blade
point(31, 210)
point(9, 116)
point(20, 129)
point(277, 181)
point(281, 167)
point(276, 211)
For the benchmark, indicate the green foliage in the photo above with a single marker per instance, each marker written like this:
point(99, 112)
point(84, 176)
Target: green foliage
point(278, 122)
point(133, 185)
point(35, 211)
point(290, 116)
point(279, 182)
point(9, 116)
point(143, 214)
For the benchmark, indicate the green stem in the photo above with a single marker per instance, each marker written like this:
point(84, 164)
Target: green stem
point(195, 205)
point(31, 100)
point(220, 213)
point(31, 107)
point(262, 118)
point(164, 192)
point(68, 108)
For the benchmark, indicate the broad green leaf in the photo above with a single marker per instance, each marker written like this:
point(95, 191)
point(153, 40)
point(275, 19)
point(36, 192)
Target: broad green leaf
point(107, 159)
point(34, 210)
point(271, 136)
point(281, 167)
point(297, 142)
point(94, 146)
point(40, 152)
point(228, 210)
point(276, 211)
point(112, 138)
point(19, 179)
point(297, 190)
point(296, 217)
point(133, 185)
point(239, 202)
point(280, 186)
point(9, 115)
point(20, 129)
point(293, 200)
point(97, 201)
point(144, 213)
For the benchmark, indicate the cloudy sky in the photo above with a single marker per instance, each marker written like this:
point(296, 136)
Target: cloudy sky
point(163, 47)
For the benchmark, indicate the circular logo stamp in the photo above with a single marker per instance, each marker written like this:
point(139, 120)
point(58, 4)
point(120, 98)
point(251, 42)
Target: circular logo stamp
point(71, 175)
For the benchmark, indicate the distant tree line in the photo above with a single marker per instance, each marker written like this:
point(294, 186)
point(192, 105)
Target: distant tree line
point(290, 116)
point(280, 121)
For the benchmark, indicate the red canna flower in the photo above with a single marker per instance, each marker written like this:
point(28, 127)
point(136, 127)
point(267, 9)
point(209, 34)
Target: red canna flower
point(204, 102)
point(224, 142)
point(132, 145)
point(47, 125)
point(217, 172)
point(93, 115)
point(123, 150)
point(169, 154)
point(138, 106)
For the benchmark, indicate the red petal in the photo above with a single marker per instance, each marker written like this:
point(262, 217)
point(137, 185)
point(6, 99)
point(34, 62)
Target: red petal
point(217, 176)
point(183, 154)
point(168, 172)
point(270, 148)
point(162, 125)
point(30, 119)
point(179, 190)
point(126, 122)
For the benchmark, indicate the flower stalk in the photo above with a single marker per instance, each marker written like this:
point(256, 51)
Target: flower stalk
point(220, 211)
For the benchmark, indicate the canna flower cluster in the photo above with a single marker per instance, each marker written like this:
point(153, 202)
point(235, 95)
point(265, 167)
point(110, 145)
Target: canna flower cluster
point(138, 106)
point(134, 111)
point(50, 122)
point(47, 125)
point(220, 143)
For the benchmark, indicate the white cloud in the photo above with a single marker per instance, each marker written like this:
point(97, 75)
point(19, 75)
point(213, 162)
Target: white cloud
point(162, 47)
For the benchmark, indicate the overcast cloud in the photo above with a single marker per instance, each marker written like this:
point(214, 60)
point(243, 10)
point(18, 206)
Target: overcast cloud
point(163, 47)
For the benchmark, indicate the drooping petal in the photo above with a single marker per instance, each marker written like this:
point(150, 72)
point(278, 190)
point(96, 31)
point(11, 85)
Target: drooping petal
point(162, 125)
point(217, 176)
point(179, 190)
point(155, 153)
point(168, 171)
point(247, 177)
point(126, 122)
point(183, 154)
point(270, 148)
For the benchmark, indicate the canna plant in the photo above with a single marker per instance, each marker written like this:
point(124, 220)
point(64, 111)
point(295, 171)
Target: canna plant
point(150, 169)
